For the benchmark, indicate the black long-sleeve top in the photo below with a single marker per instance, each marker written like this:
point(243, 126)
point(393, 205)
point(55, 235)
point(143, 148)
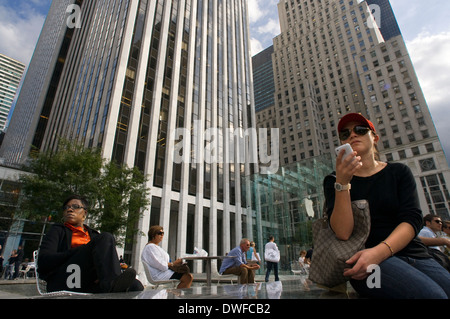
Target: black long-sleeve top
point(56, 249)
point(393, 199)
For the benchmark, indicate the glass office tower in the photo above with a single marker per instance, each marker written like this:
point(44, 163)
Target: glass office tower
point(386, 21)
point(125, 76)
point(11, 72)
point(263, 79)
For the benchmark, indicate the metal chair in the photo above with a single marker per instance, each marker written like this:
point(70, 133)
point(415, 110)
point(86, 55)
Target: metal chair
point(157, 283)
point(24, 272)
point(41, 285)
point(298, 269)
point(215, 273)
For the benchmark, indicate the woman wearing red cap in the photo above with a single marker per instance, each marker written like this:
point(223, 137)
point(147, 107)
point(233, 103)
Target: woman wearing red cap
point(407, 270)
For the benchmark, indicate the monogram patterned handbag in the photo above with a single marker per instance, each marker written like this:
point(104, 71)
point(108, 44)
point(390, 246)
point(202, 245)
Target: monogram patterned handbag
point(330, 253)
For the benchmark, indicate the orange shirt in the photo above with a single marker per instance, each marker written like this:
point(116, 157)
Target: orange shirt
point(79, 235)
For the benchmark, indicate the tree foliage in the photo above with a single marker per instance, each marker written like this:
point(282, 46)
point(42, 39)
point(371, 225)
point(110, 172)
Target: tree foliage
point(117, 194)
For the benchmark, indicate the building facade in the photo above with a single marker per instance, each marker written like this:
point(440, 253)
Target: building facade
point(11, 72)
point(263, 79)
point(334, 57)
point(130, 77)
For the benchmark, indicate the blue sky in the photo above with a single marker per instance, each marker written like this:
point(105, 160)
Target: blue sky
point(424, 25)
point(20, 24)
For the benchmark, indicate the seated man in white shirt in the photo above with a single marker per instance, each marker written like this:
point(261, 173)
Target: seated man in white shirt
point(429, 233)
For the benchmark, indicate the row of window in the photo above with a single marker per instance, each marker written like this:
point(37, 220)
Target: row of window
point(415, 151)
point(436, 193)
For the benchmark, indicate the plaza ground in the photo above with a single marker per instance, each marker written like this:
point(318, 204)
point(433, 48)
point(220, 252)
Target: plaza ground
point(289, 287)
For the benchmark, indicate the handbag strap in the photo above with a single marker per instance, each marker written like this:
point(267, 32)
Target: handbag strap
point(332, 175)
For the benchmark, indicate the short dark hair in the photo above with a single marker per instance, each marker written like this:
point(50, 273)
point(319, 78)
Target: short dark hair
point(83, 200)
point(429, 218)
point(153, 231)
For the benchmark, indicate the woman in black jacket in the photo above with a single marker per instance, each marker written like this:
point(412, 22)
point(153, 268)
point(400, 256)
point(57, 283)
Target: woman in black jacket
point(75, 257)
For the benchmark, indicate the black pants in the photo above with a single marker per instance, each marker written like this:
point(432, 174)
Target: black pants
point(96, 262)
point(271, 265)
point(17, 268)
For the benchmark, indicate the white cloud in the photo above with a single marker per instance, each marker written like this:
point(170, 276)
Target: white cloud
point(272, 27)
point(19, 31)
point(254, 11)
point(264, 25)
point(429, 53)
point(256, 46)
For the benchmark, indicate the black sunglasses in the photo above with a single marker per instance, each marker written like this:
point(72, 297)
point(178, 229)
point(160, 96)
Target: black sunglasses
point(358, 129)
point(73, 206)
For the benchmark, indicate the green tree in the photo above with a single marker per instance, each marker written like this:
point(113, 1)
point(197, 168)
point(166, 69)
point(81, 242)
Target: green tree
point(117, 194)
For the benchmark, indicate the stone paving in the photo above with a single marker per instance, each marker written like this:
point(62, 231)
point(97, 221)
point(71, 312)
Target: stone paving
point(289, 287)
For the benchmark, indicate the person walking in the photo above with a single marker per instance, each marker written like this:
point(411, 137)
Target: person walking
point(272, 257)
point(18, 262)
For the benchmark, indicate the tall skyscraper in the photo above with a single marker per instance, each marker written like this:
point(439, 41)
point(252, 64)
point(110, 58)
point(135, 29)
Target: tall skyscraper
point(263, 79)
point(125, 76)
point(331, 58)
point(11, 72)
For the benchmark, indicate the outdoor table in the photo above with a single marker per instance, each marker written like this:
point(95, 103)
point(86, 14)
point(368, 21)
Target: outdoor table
point(208, 264)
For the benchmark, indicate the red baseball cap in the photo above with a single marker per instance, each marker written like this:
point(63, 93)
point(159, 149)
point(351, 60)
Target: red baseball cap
point(355, 117)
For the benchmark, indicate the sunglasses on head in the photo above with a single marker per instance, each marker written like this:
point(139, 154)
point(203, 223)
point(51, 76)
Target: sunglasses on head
point(358, 129)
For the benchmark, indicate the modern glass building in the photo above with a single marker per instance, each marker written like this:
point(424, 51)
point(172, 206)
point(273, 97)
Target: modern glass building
point(385, 18)
point(125, 76)
point(263, 79)
point(11, 72)
point(286, 203)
